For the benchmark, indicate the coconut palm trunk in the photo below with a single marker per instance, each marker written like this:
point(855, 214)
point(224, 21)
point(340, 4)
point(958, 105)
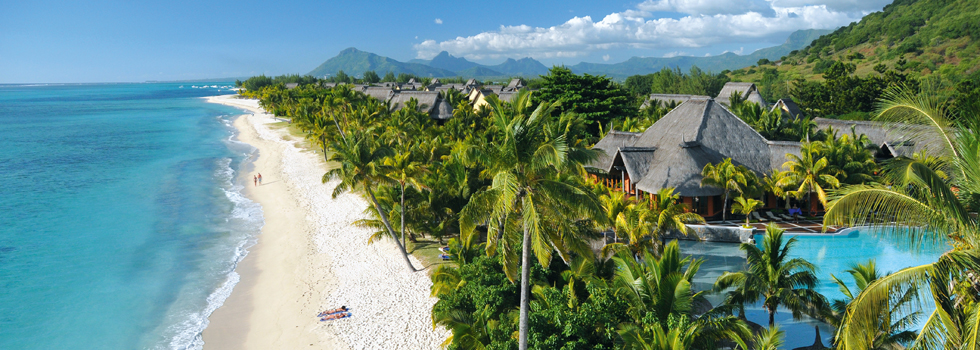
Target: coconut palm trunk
point(404, 244)
point(525, 288)
point(724, 208)
point(384, 219)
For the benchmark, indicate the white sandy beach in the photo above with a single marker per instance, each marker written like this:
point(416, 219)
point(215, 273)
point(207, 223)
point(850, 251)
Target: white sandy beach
point(310, 257)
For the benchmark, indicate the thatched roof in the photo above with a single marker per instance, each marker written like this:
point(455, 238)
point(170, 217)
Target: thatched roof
point(378, 92)
point(429, 102)
point(506, 96)
point(458, 87)
point(471, 82)
point(441, 111)
point(636, 160)
point(778, 151)
point(515, 84)
point(610, 144)
point(668, 99)
point(788, 106)
point(696, 133)
point(291, 85)
point(427, 99)
point(410, 86)
point(901, 140)
point(743, 90)
point(493, 88)
point(756, 98)
point(817, 343)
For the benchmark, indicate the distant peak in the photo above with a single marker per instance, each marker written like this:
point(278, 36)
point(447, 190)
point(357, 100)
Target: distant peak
point(350, 50)
point(444, 54)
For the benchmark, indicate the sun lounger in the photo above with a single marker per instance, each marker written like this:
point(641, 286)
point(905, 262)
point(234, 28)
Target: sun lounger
point(342, 316)
point(758, 217)
point(787, 217)
point(445, 256)
point(773, 217)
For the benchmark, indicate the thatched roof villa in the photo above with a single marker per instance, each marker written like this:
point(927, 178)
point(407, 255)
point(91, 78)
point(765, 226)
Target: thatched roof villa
point(894, 140)
point(379, 92)
point(748, 91)
point(789, 107)
point(515, 85)
point(673, 151)
point(668, 99)
point(429, 102)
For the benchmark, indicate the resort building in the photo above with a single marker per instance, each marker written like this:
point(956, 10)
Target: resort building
point(428, 102)
point(674, 150)
point(893, 140)
point(380, 93)
point(668, 99)
point(747, 91)
point(788, 107)
point(515, 85)
point(478, 97)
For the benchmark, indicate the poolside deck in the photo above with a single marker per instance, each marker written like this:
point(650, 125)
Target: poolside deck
point(801, 226)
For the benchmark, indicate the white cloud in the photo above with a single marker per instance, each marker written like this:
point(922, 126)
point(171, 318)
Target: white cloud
point(708, 7)
point(706, 23)
point(606, 58)
point(438, 20)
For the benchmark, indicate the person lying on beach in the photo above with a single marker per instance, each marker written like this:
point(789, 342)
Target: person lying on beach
point(336, 316)
point(328, 312)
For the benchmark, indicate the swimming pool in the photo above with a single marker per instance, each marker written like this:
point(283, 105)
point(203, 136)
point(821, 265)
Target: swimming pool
point(831, 253)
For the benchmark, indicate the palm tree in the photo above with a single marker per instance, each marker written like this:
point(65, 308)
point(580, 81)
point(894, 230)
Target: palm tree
point(634, 224)
point(726, 176)
point(529, 206)
point(770, 338)
point(403, 170)
point(661, 288)
point(779, 280)
point(890, 330)
point(921, 206)
point(808, 174)
point(849, 156)
point(645, 227)
point(670, 214)
point(746, 206)
point(361, 166)
point(613, 203)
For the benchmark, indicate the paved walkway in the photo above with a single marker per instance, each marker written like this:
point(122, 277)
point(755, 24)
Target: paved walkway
point(799, 226)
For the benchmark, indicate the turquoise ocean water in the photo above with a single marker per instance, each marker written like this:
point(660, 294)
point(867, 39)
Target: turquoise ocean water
point(121, 217)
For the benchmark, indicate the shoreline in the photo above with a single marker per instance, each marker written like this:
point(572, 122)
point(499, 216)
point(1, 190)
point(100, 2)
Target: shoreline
point(310, 257)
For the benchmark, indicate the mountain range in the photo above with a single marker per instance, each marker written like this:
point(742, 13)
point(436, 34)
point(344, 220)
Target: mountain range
point(355, 62)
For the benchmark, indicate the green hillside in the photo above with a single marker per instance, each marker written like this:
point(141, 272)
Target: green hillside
point(355, 62)
point(915, 37)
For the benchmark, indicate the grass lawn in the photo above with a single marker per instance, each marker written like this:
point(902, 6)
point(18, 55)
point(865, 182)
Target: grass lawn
point(427, 251)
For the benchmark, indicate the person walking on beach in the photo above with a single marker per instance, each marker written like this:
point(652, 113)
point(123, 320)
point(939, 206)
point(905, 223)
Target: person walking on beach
point(260, 177)
point(255, 180)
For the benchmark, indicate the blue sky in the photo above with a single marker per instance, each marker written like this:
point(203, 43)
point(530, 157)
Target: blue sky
point(114, 41)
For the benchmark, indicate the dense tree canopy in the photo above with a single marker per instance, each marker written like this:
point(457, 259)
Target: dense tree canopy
point(598, 99)
point(673, 81)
